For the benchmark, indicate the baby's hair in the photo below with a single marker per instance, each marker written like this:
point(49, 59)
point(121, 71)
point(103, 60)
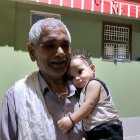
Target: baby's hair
point(83, 54)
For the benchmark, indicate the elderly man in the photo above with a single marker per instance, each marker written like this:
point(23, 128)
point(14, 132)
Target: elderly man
point(34, 104)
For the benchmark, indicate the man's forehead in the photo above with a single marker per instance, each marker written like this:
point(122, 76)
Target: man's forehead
point(57, 30)
point(49, 34)
point(54, 29)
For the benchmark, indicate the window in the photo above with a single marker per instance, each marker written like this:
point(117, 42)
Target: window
point(36, 15)
point(116, 42)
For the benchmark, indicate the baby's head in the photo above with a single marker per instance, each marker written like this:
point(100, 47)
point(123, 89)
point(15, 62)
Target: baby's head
point(81, 68)
point(83, 55)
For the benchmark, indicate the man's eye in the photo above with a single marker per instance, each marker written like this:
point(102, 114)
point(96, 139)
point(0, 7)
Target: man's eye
point(65, 44)
point(49, 46)
point(80, 71)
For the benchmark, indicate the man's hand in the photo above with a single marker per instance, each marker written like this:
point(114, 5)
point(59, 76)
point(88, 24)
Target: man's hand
point(65, 124)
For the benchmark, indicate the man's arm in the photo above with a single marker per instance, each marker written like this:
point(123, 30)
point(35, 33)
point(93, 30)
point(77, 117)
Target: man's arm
point(8, 119)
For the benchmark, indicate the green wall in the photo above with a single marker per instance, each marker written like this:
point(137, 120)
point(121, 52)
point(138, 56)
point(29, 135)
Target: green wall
point(14, 66)
point(123, 80)
point(7, 22)
point(86, 29)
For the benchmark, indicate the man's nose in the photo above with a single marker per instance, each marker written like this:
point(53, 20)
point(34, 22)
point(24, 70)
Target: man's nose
point(60, 51)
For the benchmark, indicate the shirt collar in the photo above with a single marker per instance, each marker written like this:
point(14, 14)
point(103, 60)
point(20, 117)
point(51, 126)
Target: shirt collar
point(45, 88)
point(43, 84)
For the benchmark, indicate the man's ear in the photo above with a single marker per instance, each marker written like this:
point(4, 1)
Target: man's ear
point(92, 66)
point(31, 50)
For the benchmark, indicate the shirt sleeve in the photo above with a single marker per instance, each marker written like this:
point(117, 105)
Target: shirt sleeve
point(8, 118)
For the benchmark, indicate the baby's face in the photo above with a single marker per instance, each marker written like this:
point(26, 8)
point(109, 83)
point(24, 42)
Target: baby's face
point(80, 72)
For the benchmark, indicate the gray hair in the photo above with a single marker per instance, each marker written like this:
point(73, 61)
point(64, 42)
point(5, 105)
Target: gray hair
point(36, 29)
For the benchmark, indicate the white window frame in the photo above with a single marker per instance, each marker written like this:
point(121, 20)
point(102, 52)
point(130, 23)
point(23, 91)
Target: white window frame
point(116, 42)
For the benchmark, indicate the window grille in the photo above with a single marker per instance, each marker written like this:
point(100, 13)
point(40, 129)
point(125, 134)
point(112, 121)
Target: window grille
point(116, 42)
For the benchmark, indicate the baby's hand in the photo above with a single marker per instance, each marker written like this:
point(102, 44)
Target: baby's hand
point(65, 124)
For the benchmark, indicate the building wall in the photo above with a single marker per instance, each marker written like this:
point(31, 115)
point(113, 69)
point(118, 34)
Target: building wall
point(122, 78)
point(7, 22)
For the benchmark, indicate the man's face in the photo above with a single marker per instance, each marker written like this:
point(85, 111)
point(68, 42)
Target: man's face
point(52, 53)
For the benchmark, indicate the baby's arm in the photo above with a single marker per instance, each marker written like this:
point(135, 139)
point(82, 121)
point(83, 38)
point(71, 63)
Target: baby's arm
point(65, 124)
point(92, 96)
point(91, 99)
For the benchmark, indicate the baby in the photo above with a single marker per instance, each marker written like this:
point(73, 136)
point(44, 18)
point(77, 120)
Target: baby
point(97, 110)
